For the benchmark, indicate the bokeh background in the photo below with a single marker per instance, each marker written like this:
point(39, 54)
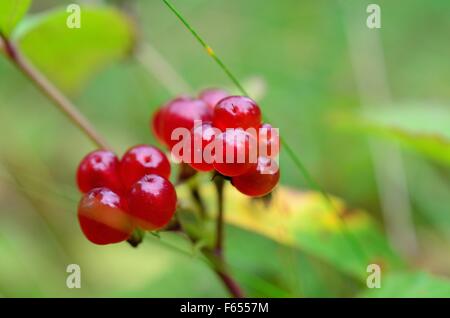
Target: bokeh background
point(367, 111)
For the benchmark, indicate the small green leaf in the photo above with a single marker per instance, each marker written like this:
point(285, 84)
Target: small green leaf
point(70, 57)
point(410, 285)
point(423, 128)
point(11, 11)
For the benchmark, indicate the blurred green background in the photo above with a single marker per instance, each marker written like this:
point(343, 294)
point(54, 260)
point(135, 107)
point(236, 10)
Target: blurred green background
point(367, 111)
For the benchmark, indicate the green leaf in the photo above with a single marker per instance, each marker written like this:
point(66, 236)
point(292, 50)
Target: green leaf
point(410, 285)
point(70, 57)
point(261, 275)
point(423, 128)
point(11, 11)
point(303, 220)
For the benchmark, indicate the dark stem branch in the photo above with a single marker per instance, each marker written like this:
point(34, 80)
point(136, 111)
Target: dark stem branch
point(219, 266)
point(230, 284)
point(218, 258)
point(48, 89)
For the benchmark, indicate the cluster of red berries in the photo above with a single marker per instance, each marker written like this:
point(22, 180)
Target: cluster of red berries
point(134, 192)
point(226, 121)
point(119, 196)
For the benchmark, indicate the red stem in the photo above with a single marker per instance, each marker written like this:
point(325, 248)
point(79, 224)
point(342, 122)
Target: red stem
point(231, 285)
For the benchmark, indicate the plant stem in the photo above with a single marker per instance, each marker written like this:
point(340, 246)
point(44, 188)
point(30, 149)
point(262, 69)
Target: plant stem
point(207, 48)
point(230, 284)
point(221, 266)
point(50, 90)
point(61, 101)
point(298, 163)
point(218, 247)
point(197, 197)
point(354, 244)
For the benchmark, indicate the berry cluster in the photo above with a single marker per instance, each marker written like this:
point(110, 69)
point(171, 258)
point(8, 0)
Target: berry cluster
point(120, 195)
point(225, 127)
point(134, 192)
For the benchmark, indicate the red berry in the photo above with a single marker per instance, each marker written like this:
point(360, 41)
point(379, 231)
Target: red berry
point(235, 152)
point(102, 217)
point(212, 96)
point(202, 136)
point(99, 168)
point(140, 161)
point(152, 202)
point(268, 141)
point(182, 113)
point(236, 112)
point(260, 180)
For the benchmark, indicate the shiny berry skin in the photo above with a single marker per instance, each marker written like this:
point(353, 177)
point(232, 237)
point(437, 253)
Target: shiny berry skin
point(268, 141)
point(103, 218)
point(202, 136)
point(182, 113)
point(152, 202)
point(235, 152)
point(260, 180)
point(99, 168)
point(212, 96)
point(141, 160)
point(236, 112)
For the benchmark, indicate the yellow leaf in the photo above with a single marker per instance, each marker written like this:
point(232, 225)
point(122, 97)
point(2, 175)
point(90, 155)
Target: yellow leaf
point(348, 239)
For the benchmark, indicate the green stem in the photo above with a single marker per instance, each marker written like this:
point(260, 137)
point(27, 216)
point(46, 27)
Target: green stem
point(233, 78)
point(297, 162)
point(208, 49)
